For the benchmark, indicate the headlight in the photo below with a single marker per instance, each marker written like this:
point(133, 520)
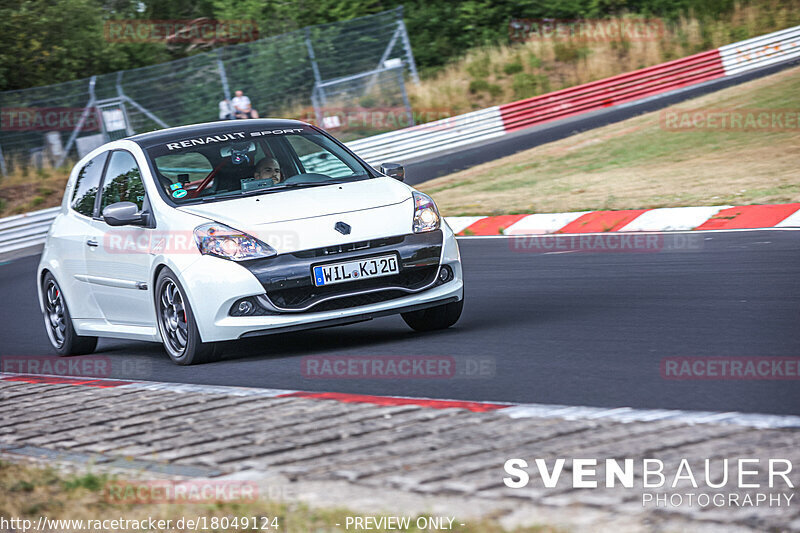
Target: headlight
point(226, 242)
point(426, 216)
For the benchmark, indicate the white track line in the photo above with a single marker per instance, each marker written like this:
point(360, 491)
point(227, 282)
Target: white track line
point(790, 221)
point(542, 223)
point(672, 218)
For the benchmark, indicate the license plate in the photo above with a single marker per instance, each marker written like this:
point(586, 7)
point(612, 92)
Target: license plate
point(374, 267)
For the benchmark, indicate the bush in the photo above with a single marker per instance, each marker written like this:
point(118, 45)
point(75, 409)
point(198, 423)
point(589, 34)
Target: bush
point(88, 481)
point(477, 86)
point(478, 68)
point(483, 86)
point(525, 85)
point(23, 486)
point(570, 53)
point(512, 68)
point(739, 33)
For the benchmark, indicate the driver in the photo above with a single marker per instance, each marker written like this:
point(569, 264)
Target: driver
point(268, 169)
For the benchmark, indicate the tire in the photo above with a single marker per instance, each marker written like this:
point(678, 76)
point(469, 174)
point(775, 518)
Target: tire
point(176, 324)
point(433, 318)
point(58, 322)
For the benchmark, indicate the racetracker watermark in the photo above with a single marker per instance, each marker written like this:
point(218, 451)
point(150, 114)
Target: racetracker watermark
point(396, 367)
point(46, 119)
point(92, 366)
point(373, 118)
point(731, 368)
point(730, 119)
point(606, 243)
point(595, 31)
point(201, 30)
point(132, 240)
point(181, 492)
point(87, 366)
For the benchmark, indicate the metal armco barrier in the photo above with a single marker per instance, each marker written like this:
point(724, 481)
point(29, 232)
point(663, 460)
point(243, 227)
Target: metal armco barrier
point(23, 231)
point(431, 137)
point(761, 51)
point(612, 91)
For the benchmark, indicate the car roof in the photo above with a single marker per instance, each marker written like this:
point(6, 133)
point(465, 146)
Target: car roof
point(146, 140)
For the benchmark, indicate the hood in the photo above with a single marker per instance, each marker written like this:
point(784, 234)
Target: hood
point(303, 203)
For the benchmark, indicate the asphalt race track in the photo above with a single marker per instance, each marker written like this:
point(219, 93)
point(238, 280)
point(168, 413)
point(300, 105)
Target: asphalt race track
point(560, 328)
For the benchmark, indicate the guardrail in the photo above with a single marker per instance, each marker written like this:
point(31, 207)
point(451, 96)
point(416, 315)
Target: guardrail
point(613, 91)
point(23, 231)
point(27, 230)
point(431, 137)
point(761, 51)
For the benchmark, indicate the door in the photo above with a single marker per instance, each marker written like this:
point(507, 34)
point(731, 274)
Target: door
point(70, 237)
point(118, 265)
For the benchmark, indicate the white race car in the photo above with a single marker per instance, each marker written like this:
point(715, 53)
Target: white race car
point(206, 233)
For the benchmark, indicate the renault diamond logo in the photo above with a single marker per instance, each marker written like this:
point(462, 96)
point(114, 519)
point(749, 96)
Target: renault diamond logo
point(342, 228)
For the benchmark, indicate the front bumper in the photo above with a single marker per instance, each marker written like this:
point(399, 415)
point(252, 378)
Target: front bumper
point(288, 280)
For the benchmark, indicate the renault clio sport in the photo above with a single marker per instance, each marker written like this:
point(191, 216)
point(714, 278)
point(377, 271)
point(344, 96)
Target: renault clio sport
point(194, 235)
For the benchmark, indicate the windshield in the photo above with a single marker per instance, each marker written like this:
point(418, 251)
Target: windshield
point(229, 165)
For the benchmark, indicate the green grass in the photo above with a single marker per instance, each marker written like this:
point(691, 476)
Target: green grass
point(32, 491)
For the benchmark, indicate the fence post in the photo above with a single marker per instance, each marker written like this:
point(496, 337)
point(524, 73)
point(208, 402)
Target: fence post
point(128, 128)
point(125, 98)
point(412, 66)
point(81, 121)
point(390, 46)
point(384, 57)
point(3, 168)
point(314, 66)
point(402, 83)
point(318, 113)
point(146, 113)
point(226, 90)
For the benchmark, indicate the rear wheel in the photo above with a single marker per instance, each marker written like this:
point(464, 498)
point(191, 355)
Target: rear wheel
point(433, 318)
point(58, 322)
point(176, 323)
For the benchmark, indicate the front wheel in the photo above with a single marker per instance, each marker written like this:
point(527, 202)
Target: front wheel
point(176, 323)
point(433, 318)
point(59, 323)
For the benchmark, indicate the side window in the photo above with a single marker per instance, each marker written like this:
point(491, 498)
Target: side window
point(318, 160)
point(123, 182)
point(85, 190)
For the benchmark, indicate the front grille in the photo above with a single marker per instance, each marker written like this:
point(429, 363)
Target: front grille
point(299, 297)
point(349, 247)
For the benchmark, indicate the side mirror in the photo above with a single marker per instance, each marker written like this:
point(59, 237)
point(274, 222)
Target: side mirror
point(124, 214)
point(394, 170)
